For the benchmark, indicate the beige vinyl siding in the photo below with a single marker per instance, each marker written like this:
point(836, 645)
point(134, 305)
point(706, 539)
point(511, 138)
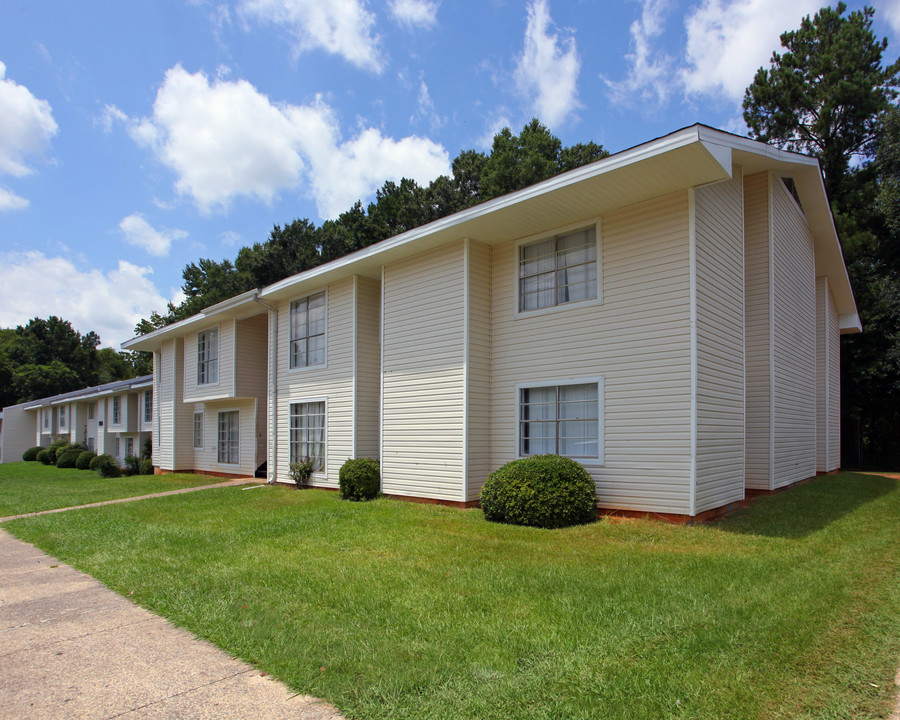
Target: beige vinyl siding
point(757, 332)
point(18, 432)
point(423, 375)
point(794, 340)
point(175, 441)
point(251, 372)
point(638, 340)
point(332, 383)
point(828, 380)
point(207, 458)
point(368, 362)
point(157, 424)
point(719, 258)
point(224, 386)
point(478, 367)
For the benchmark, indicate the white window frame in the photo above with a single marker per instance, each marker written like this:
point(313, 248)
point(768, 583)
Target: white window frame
point(90, 410)
point(205, 362)
point(596, 380)
point(90, 443)
point(322, 471)
point(198, 437)
point(596, 225)
point(62, 417)
point(129, 451)
point(148, 405)
point(117, 410)
point(118, 447)
point(292, 339)
point(228, 462)
point(45, 413)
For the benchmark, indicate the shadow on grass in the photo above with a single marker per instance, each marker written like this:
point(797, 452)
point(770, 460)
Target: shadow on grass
point(806, 509)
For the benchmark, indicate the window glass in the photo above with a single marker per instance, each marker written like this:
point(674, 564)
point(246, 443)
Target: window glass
point(208, 357)
point(560, 419)
point(198, 431)
point(229, 445)
point(558, 270)
point(148, 406)
point(308, 433)
point(307, 343)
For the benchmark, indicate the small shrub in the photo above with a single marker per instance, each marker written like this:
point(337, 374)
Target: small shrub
point(107, 467)
point(30, 455)
point(147, 452)
point(545, 491)
point(96, 461)
point(359, 479)
point(84, 459)
point(132, 465)
point(43, 457)
point(301, 472)
point(68, 458)
point(146, 466)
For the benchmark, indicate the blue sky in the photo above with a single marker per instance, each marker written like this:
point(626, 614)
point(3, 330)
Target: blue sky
point(138, 136)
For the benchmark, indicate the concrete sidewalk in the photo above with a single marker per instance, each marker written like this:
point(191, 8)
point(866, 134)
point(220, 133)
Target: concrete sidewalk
point(72, 648)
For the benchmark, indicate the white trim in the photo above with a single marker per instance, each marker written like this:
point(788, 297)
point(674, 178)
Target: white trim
point(234, 350)
point(559, 307)
point(467, 308)
point(381, 384)
point(218, 412)
point(202, 445)
point(692, 251)
point(599, 380)
point(196, 384)
point(304, 368)
point(321, 475)
point(353, 356)
point(771, 273)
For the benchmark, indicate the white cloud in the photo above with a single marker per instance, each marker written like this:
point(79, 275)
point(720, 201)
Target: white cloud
point(728, 41)
point(230, 238)
point(138, 231)
point(547, 70)
point(890, 11)
point(225, 139)
point(499, 121)
point(425, 110)
point(26, 128)
point(110, 115)
point(10, 201)
point(340, 27)
point(108, 303)
point(650, 71)
point(414, 13)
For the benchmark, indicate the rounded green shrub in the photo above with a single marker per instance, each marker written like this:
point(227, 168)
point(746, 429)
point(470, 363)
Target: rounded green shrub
point(107, 467)
point(359, 479)
point(43, 457)
point(30, 455)
point(146, 466)
point(95, 461)
point(84, 459)
point(546, 491)
point(68, 458)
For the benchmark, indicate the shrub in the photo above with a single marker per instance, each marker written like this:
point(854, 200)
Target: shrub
point(68, 458)
point(147, 452)
point(301, 472)
point(359, 479)
point(43, 457)
point(132, 465)
point(84, 459)
point(146, 466)
point(107, 467)
point(30, 455)
point(96, 461)
point(545, 491)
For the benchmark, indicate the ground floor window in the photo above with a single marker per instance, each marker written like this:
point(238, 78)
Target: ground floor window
point(229, 437)
point(129, 447)
point(560, 419)
point(90, 443)
point(198, 431)
point(308, 433)
point(118, 447)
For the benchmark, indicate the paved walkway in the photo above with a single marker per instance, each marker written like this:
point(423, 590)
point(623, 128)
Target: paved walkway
point(226, 483)
point(70, 648)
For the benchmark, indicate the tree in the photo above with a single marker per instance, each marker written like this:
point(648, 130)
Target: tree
point(823, 96)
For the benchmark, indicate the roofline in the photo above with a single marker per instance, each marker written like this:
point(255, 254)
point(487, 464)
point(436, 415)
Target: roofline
point(88, 393)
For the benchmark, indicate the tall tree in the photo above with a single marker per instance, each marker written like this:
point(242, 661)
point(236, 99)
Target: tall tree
point(824, 94)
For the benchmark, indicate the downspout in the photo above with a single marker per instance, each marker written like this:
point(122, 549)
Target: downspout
point(271, 430)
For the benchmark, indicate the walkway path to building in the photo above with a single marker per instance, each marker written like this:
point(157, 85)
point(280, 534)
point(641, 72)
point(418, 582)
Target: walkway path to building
point(70, 648)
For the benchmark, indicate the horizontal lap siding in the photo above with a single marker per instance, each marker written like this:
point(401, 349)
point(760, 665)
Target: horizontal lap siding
point(757, 332)
point(207, 459)
point(834, 387)
point(638, 340)
point(225, 384)
point(794, 305)
point(251, 372)
point(334, 383)
point(19, 431)
point(828, 390)
point(719, 233)
point(164, 455)
point(479, 369)
point(423, 376)
point(368, 364)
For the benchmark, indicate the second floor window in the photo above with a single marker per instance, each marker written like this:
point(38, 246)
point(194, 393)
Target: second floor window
point(558, 270)
point(46, 418)
point(62, 416)
point(148, 406)
point(117, 410)
point(308, 331)
point(90, 411)
point(208, 357)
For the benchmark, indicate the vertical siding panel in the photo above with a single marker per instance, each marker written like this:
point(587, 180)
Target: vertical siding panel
point(368, 361)
point(757, 341)
point(637, 339)
point(423, 376)
point(479, 368)
point(719, 237)
point(794, 308)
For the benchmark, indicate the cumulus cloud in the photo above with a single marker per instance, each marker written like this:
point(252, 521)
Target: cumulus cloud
point(109, 303)
point(728, 41)
point(650, 70)
point(139, 232)
point(340, 27)
point(890, 11)
point(26, 128)
point(547, 70)
point(224, 139)
point(414, 13)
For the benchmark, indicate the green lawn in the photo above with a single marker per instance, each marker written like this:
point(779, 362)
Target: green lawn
point(790, 609)
point(30, 487)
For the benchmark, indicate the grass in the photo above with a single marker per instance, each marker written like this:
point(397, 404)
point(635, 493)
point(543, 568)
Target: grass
point(790, 609)
point(30, 487)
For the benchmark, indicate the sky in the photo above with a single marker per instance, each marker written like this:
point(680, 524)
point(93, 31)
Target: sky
point(137, 137)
